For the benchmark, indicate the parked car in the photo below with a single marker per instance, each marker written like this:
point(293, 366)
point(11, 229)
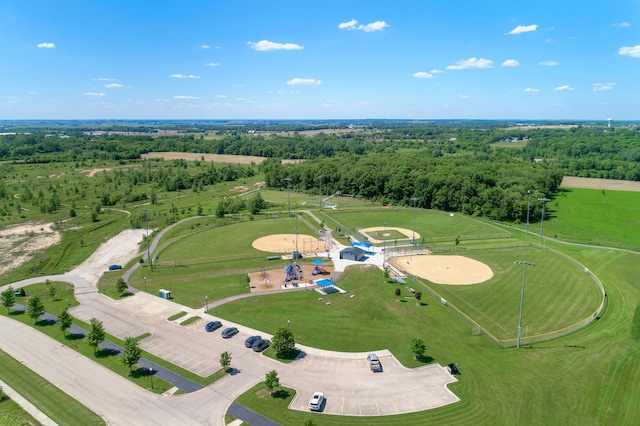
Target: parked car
point(251, 340)
point(316, 401)
point(229, 332)
point(114, 267)
point(260, 345)
point(374, 363)
point(213, 325)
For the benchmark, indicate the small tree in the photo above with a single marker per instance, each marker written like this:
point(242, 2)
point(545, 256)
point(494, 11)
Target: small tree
point(309, 422)
point(64, 321)
point(283, 341)
point(121, 286)
point(397, 292)
point(131, 353)
point(418, 295)
point(272, 381)
point(418, 347)
point(96, 334)
point(225, 360)
point(51, 290)
point(8, 298)
point(35, 308)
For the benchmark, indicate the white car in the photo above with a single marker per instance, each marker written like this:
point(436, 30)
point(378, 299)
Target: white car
point(316, 401)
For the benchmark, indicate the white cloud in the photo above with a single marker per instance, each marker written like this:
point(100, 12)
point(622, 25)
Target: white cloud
point(221, 96)
point(265, 45)
point(633, 51)
point(436, 72)
point(622, 24)
point(46, 45)
point(206, 46)
point(523, 29)
point(106, 79)
point(601, 87)
point(531, 90)
point(113, 86)
point(212, 64)
point(369, 28)
point(564, 88)
point(464, 96)
point(548, 63)
point(348, 25)
point(184, 76)
point(185, 97)
point(304, 81)
point(94, 94)
point(422, 74)
point(474, 62)
point(511, 63)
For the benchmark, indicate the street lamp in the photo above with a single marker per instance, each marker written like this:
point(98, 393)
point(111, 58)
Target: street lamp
point(413, 230)
point(288, 194)
point(528, 208)
point(524, 274)
point(338, 193)
point(288, 322)
point(151, 375)
point(148, 242)
point(145, 283)
point(206, 303)
point(320, 190)
point(544, 200)
point(384, 248)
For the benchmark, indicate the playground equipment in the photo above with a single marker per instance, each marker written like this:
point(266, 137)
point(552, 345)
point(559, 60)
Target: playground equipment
point(293, 272)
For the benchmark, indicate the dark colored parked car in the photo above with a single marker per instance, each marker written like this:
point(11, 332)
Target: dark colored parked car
point(115, 267)
point(260, 345)
point(251, 340)
point(213, 325)
point(229, 332)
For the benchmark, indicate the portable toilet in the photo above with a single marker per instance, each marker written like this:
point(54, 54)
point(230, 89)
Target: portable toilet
point(165, 294)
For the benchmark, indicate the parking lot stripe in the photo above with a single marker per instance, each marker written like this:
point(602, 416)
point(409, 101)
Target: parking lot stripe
point(338, 365)
point(378, 407)
point(413, 407)
point(359, 408)
point(308, 362)
point(426, 401)
point(323, 364)
point(440, 398)
point(342, 408)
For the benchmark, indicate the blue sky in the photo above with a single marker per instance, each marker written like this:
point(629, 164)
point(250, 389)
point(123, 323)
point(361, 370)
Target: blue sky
point(223, 59)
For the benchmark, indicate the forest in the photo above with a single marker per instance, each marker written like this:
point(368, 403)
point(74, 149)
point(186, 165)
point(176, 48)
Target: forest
point(477, 168)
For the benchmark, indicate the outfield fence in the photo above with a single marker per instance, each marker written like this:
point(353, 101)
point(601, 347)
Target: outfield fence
point(478, 329)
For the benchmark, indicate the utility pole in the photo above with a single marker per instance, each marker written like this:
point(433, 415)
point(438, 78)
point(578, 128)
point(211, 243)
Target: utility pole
point(148, 242)
point(544, 201)
point(524, 274)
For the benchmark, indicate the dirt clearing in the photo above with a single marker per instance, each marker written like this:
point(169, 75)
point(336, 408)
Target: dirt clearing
point(194, 156)
point(19, 243)
point(286, 243)
point(452, 270)
point(606, 184)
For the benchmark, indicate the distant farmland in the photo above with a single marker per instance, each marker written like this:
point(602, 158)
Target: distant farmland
point(194, 156)
point(593, 183)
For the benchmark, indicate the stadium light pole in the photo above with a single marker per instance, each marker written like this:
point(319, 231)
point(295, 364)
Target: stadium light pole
point(528, 208)
point(413, 231)
point(288, 180)
point(544, 201)
point(524, 274)
point(338, 193)
point(148, 242)
point(320, 190)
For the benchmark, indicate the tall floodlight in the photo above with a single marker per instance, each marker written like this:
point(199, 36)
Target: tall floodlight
point(413, 230)
point(528, 208)
point(288, 180)
point(338, 193)
point(148, 242)
point(320, 190)
point(544, 201)
point(524, 275)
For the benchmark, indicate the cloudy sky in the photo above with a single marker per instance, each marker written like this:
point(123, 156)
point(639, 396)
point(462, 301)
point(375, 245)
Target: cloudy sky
point(232, 59)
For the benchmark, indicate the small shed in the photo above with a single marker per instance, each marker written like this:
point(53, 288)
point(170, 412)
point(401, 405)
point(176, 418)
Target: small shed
point(352, 253)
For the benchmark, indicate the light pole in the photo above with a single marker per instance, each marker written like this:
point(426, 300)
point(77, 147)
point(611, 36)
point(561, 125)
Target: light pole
point(206, 303)
point(338, 193)
point(528, 208)
point(288, 322)
point(384, 248)
point(288, 194)
point(524, 274)
point(145, 283)
point(148, 242)
point(413, 230)
point(320, 190)
point(544, 201)
point(151, 375)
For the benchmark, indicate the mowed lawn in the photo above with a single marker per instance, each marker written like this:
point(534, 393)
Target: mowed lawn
point(592, 216)
point(558, 293)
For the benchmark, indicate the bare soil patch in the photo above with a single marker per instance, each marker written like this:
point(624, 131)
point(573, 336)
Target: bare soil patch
point(93, 172)
point(194, 156)
point(286, 243)
point(19, 243)
point(594, 183)
point(404, 231)
point(452, 270)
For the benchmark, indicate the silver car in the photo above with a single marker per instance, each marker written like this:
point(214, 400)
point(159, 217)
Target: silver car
point(316, 401)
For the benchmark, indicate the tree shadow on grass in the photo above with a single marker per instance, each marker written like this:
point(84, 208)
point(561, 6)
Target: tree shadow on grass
point(74, 336)
point(45, 322)
point(126, 294)
point(104, 353)
point(139, 372)
point(425, 359)
point(281, 394)
point(16, 312)
point(290, 355)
